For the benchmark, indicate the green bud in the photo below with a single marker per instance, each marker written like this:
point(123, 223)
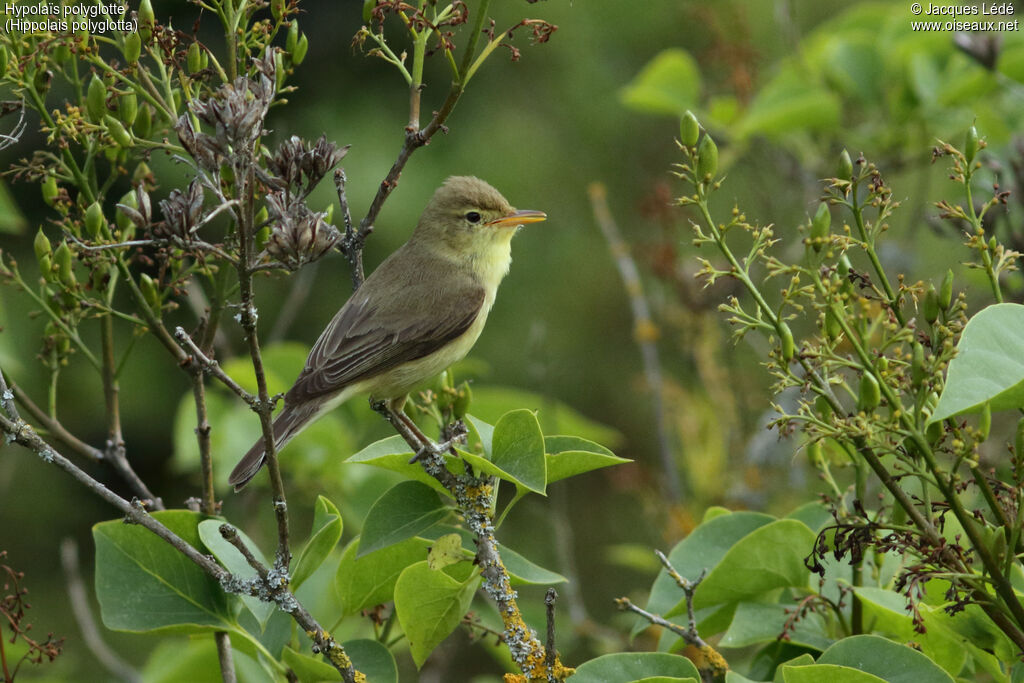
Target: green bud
point(788, 346)
point(845, 171)
point(946, 291)
point(50, 190)
point(971, 144)
point(61, 54)
point(150, 293)
point(46, 267)
point(277, 9)
point(301, 48)
point(933, 432)
point(41, 245)
point(127, 108)
point(998, 545)
point(143, 121)
point(3, 60)
point(262, 235)
point(689, 129)
point(194, 59)
point(132, 48)
point(96, 99)
point(820, 225)
point(882, 364)
point(985, 422)
point(930, 306)
point(130, 200)
point(62, 257)
point(42, 80)
point(293, 37)
point(707, 159)
point(870, 394)
point(368, 6)
point(280, 70)
point(146, 20)
point(94, 219)
point(992, 243)
point(832, 327)
point(117, 131)
point(917, 372)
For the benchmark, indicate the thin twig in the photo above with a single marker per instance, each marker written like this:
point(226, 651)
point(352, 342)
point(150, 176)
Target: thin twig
point(549, 648)
point(645, 332)
point(79, 601)
point(208, 365)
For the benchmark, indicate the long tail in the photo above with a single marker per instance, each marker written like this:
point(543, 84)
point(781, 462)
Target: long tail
point(289, 423)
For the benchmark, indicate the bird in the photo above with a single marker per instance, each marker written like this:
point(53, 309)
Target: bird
point(421, 310)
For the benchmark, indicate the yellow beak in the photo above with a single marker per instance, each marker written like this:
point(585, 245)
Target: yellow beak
point(517, 218)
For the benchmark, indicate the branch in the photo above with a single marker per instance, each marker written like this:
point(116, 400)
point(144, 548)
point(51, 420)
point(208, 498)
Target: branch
point(645, 332)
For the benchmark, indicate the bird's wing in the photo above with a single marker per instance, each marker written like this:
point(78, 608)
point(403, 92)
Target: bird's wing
point(368, 337)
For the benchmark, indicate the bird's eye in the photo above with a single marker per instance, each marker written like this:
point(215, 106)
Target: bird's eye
point(473, 217)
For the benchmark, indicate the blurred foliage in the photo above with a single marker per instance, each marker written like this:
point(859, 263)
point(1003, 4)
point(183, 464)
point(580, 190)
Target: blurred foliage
point(783, 86)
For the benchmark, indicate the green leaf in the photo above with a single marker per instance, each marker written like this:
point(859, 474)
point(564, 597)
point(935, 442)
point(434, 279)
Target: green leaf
point(232, 560)
point(369, 580)
point(490, 403)
point(816, 673)
point(666, 679)
point(429, 605)
point(144, 584)
point(668, 84)
point(626, 667)
point(401, 512)
point(446, 550)
point(373, 659)
point(702, 549)
point(886, 611)
point(769, 557)
point(789, 103)
point(889, 661)
point(326, 532)
point(309, 669)
point(393, 454)
point(989, 365)
point(480, 433)
point(757, 623)
point(571, 455)
point(518, 449)
point(523, 571)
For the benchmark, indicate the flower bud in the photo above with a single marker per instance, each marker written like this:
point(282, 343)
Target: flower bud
point(870, 394)
point(3, 61)
point(971, 144)
point(933, 432)
point(368, 6)
point(820, 225)
point(917, 371)
point(143, 121)
point(62, 257)
point(707, 160)
point(194, 60)
point(985, 422)
point(46, 267)
point(815, 454)
point(146, 20)
point(992, 243)
point(293, 37)
point(150, 293)
point(689, 129)
point(117, 131)
point(96, 99)
point(788, 346)
point(845, 170)
point(832, 327)
point(930, 306)
point(94, 219)
point(50, 190)
point(42, 80)
point(127, 108)
point(41, 245)
point(132, 48)
point(946, 291)
point(301, 48)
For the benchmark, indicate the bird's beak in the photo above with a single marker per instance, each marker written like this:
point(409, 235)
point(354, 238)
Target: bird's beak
point(517, 218)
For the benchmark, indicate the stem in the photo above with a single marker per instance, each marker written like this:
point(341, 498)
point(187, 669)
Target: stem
point(869, 248)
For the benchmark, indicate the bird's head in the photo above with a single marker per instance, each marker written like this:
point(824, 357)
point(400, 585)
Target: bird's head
point(471, 218)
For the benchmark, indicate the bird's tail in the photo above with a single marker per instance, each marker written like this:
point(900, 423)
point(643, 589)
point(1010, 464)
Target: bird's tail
point(289, 423)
